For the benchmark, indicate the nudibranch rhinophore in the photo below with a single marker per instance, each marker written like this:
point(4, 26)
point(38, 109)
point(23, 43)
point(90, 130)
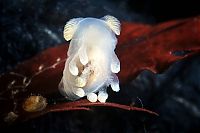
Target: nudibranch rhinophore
point(92, 62)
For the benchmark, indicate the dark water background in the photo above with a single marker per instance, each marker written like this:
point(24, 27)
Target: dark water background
point(30, 26)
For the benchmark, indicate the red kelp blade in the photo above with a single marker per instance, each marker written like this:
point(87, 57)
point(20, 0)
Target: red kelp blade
point(82, 105)
point(140, 47)
point(154, 48)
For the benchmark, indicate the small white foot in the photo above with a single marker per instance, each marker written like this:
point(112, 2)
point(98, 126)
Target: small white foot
point(79, 92)
point(92, 97)
point(102, 96)
point(115, 87)
point(115, 83)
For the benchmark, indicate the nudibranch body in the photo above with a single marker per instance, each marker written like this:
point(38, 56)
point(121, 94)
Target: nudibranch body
point(92, 62)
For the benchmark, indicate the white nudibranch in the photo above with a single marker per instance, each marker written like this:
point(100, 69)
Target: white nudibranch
point(92, 62)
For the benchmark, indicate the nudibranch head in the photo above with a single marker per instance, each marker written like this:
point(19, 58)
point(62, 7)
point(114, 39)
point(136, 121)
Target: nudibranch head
point(92, 62)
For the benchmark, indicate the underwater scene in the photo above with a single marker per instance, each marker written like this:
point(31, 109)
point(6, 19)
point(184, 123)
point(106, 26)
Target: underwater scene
point(109, 66)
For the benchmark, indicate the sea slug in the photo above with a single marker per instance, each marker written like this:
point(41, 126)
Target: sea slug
point(92, 63)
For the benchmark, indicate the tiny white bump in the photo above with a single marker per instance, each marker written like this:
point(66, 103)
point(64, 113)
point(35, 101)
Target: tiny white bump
point(102, 97)
point(13, 82)
point(40, 67)
point(92, 97)
point(115, 87)
point(58, 59)
point(80, 92)
point(115, 68)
